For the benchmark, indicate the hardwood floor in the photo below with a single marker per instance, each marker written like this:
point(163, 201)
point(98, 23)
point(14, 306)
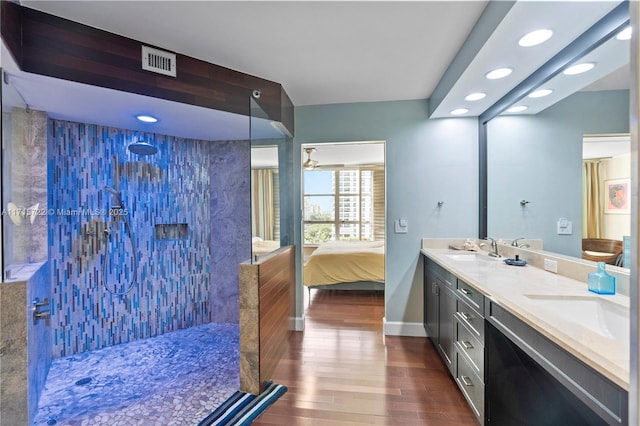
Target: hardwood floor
point(342, 371)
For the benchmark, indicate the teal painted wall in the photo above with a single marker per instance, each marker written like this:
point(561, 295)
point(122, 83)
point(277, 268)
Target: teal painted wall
point(539, 158)
point(530, 157)
point(426, 161)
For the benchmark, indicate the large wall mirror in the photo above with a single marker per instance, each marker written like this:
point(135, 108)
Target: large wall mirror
point(536, 157)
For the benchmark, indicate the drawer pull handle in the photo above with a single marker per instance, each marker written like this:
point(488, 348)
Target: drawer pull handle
point(467, 345)
point(466, 381)
point(465, 291)
point(465, 316)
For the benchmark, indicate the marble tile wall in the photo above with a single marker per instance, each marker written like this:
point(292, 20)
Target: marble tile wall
point(250, 327)
point(13, 353)
point(231, 224)
point(180, 282)
point(25, 185)
point(25, 346)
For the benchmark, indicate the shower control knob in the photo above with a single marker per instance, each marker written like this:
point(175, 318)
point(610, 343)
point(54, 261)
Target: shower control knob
point(106, 232)
point(38, 312)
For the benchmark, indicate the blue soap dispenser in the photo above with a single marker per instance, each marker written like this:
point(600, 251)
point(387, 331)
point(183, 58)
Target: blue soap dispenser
point(601, 281)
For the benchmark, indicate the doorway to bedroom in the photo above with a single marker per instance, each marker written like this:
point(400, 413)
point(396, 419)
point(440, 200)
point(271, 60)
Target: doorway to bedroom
point(343, 218)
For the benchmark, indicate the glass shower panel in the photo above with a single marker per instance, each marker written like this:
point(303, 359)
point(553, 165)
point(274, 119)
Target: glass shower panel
point(266, 142)
point(24, 183)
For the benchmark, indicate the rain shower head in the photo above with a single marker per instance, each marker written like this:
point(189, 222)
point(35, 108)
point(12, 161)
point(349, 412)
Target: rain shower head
point(143, 148)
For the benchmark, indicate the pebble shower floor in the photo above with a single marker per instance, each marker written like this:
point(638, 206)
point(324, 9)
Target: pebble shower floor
point(177, 378)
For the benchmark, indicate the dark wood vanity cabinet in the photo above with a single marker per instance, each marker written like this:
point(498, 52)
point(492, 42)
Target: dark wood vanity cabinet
point(439, 310)
point(508, 372)
point(533, 381)
point(470, 347)
point(454, 322)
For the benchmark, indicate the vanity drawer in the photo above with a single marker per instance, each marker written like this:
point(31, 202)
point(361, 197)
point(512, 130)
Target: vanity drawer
point(474, 298)
point(444, 277)
point(470, 318)
point(471, 386)
point(468, 345)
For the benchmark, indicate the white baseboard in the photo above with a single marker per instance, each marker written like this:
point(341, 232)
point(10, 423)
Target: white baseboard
point(296, 323)
point(397, 328)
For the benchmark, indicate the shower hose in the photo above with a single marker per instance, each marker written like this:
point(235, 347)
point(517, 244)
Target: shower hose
point(105, 266)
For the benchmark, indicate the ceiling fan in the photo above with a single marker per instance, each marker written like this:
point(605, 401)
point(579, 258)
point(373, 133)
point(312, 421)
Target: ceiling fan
point(309, 164)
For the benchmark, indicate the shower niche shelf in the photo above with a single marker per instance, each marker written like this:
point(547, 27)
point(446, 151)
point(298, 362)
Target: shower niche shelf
point(171, 231)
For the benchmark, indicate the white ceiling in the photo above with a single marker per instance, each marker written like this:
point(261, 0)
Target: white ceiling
point(321, 52)
point(566, 19)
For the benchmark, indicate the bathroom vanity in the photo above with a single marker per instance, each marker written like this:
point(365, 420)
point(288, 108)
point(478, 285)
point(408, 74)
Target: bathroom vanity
point(526, 346)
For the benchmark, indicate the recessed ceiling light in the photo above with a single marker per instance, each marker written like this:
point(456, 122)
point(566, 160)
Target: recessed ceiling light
point(535, 37)
point(518, 108)
point(475, 96)
point(540, 93)
point(459, 111)
point(498, 73)
point(579, 68)
point(624, 34)
point(147, 118)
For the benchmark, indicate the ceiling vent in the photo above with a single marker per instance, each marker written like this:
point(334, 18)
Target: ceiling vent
point(158, 61)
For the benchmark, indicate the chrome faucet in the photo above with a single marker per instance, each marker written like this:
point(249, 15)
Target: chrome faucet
point(494, 247)
point(514, 243)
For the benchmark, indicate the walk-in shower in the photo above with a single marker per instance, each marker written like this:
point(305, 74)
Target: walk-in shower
point(116, 282)
point(112, 282)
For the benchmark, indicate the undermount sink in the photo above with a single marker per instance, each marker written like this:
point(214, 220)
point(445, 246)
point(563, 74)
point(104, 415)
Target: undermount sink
point(605, 317)
point(471, 257)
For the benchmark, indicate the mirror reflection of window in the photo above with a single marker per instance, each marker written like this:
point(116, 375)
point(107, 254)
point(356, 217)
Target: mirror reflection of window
point(606, 215)
point(270, 183)
point(265, 200)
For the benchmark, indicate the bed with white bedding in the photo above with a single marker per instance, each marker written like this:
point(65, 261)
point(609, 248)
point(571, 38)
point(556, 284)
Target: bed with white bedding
point(346, 265)
point(260, 247)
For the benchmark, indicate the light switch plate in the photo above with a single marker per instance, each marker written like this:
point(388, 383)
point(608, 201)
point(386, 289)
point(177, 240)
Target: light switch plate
point(565, 227)
point(401, 225)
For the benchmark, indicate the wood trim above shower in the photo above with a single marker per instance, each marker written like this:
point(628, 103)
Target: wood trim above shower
point(56, 47)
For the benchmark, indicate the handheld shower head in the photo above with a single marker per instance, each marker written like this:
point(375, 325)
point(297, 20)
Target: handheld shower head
point(116, 194)
point(112, 191)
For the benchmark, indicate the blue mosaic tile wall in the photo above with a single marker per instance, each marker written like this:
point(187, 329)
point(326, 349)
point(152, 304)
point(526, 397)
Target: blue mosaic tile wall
point(174, 287)
point(39, 337)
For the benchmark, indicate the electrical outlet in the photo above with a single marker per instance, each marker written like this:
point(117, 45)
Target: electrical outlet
point(551, 266)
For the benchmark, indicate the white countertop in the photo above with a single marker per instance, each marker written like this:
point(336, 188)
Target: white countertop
point(526, 293)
